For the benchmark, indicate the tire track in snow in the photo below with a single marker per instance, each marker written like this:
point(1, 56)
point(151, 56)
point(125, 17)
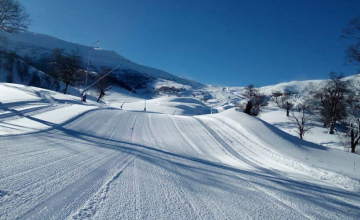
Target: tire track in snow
point(187, 127)
point(289, 201)
point(71, 193)
point(303, 169)
point(215, 204)
point(277, 192)
point(91, 206)
point(92, 165)
point(14, 114)
point(31, 193)
point(232, 151)
point(269, 198)
point(138, 209)
point(185, 138)
point(25, 153)
point(47, 159)
point(249, 181)
point(147, 136)
point(221, 130)
point(44, 165)
point(54, 170)
point(135, 138)
point(188, 198)
point(210, 199)
point(56, 202)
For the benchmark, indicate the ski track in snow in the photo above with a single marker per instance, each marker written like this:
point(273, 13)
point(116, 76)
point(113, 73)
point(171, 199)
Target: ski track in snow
point(20, 111)
point(112, 164)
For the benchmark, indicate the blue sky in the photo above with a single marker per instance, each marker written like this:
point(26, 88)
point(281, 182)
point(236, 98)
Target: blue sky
point(230, 43)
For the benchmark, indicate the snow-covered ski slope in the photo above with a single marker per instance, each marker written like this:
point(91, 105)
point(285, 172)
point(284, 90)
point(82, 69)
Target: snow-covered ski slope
point(106, 163)
point(25, 109)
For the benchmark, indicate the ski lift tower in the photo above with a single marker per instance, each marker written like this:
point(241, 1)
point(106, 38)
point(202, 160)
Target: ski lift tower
point(88, 63)
point(147, 85)
point(145, 99)
point(87, 71)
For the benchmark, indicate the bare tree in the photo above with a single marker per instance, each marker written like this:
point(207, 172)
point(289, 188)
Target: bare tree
point(58, 62)
point(352, 138)
point(285, 103)
point(258, 101)
point(302, 119)
point(249, 91)
point(13, 17)
point(352, 31)
point(354, 135)
point(332, 98)
point(67, 67)
point(73, 65)
point(255, 100)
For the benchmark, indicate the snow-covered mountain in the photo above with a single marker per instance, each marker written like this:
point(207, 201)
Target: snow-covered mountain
point(36, 45)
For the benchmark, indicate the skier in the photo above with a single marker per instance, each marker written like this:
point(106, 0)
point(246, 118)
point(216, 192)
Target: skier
point(84, 97)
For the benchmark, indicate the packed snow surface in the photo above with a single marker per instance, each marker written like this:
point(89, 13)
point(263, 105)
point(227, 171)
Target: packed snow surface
point(90, 161)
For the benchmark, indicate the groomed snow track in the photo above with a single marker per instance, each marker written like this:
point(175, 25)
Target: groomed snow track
point(112, 164)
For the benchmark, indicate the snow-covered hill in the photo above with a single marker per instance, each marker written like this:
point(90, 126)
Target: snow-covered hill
point(35, 45)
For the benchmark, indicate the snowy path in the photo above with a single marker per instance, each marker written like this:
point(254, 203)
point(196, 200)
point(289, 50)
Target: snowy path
point(111, 164)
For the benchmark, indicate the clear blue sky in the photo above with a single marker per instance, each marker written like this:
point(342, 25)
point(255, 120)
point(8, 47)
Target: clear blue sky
point(217, 42)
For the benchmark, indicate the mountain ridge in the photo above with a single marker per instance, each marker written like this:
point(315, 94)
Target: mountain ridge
point(37, 45)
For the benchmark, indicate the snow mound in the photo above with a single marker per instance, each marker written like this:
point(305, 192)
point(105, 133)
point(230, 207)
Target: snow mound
point(273, 144)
